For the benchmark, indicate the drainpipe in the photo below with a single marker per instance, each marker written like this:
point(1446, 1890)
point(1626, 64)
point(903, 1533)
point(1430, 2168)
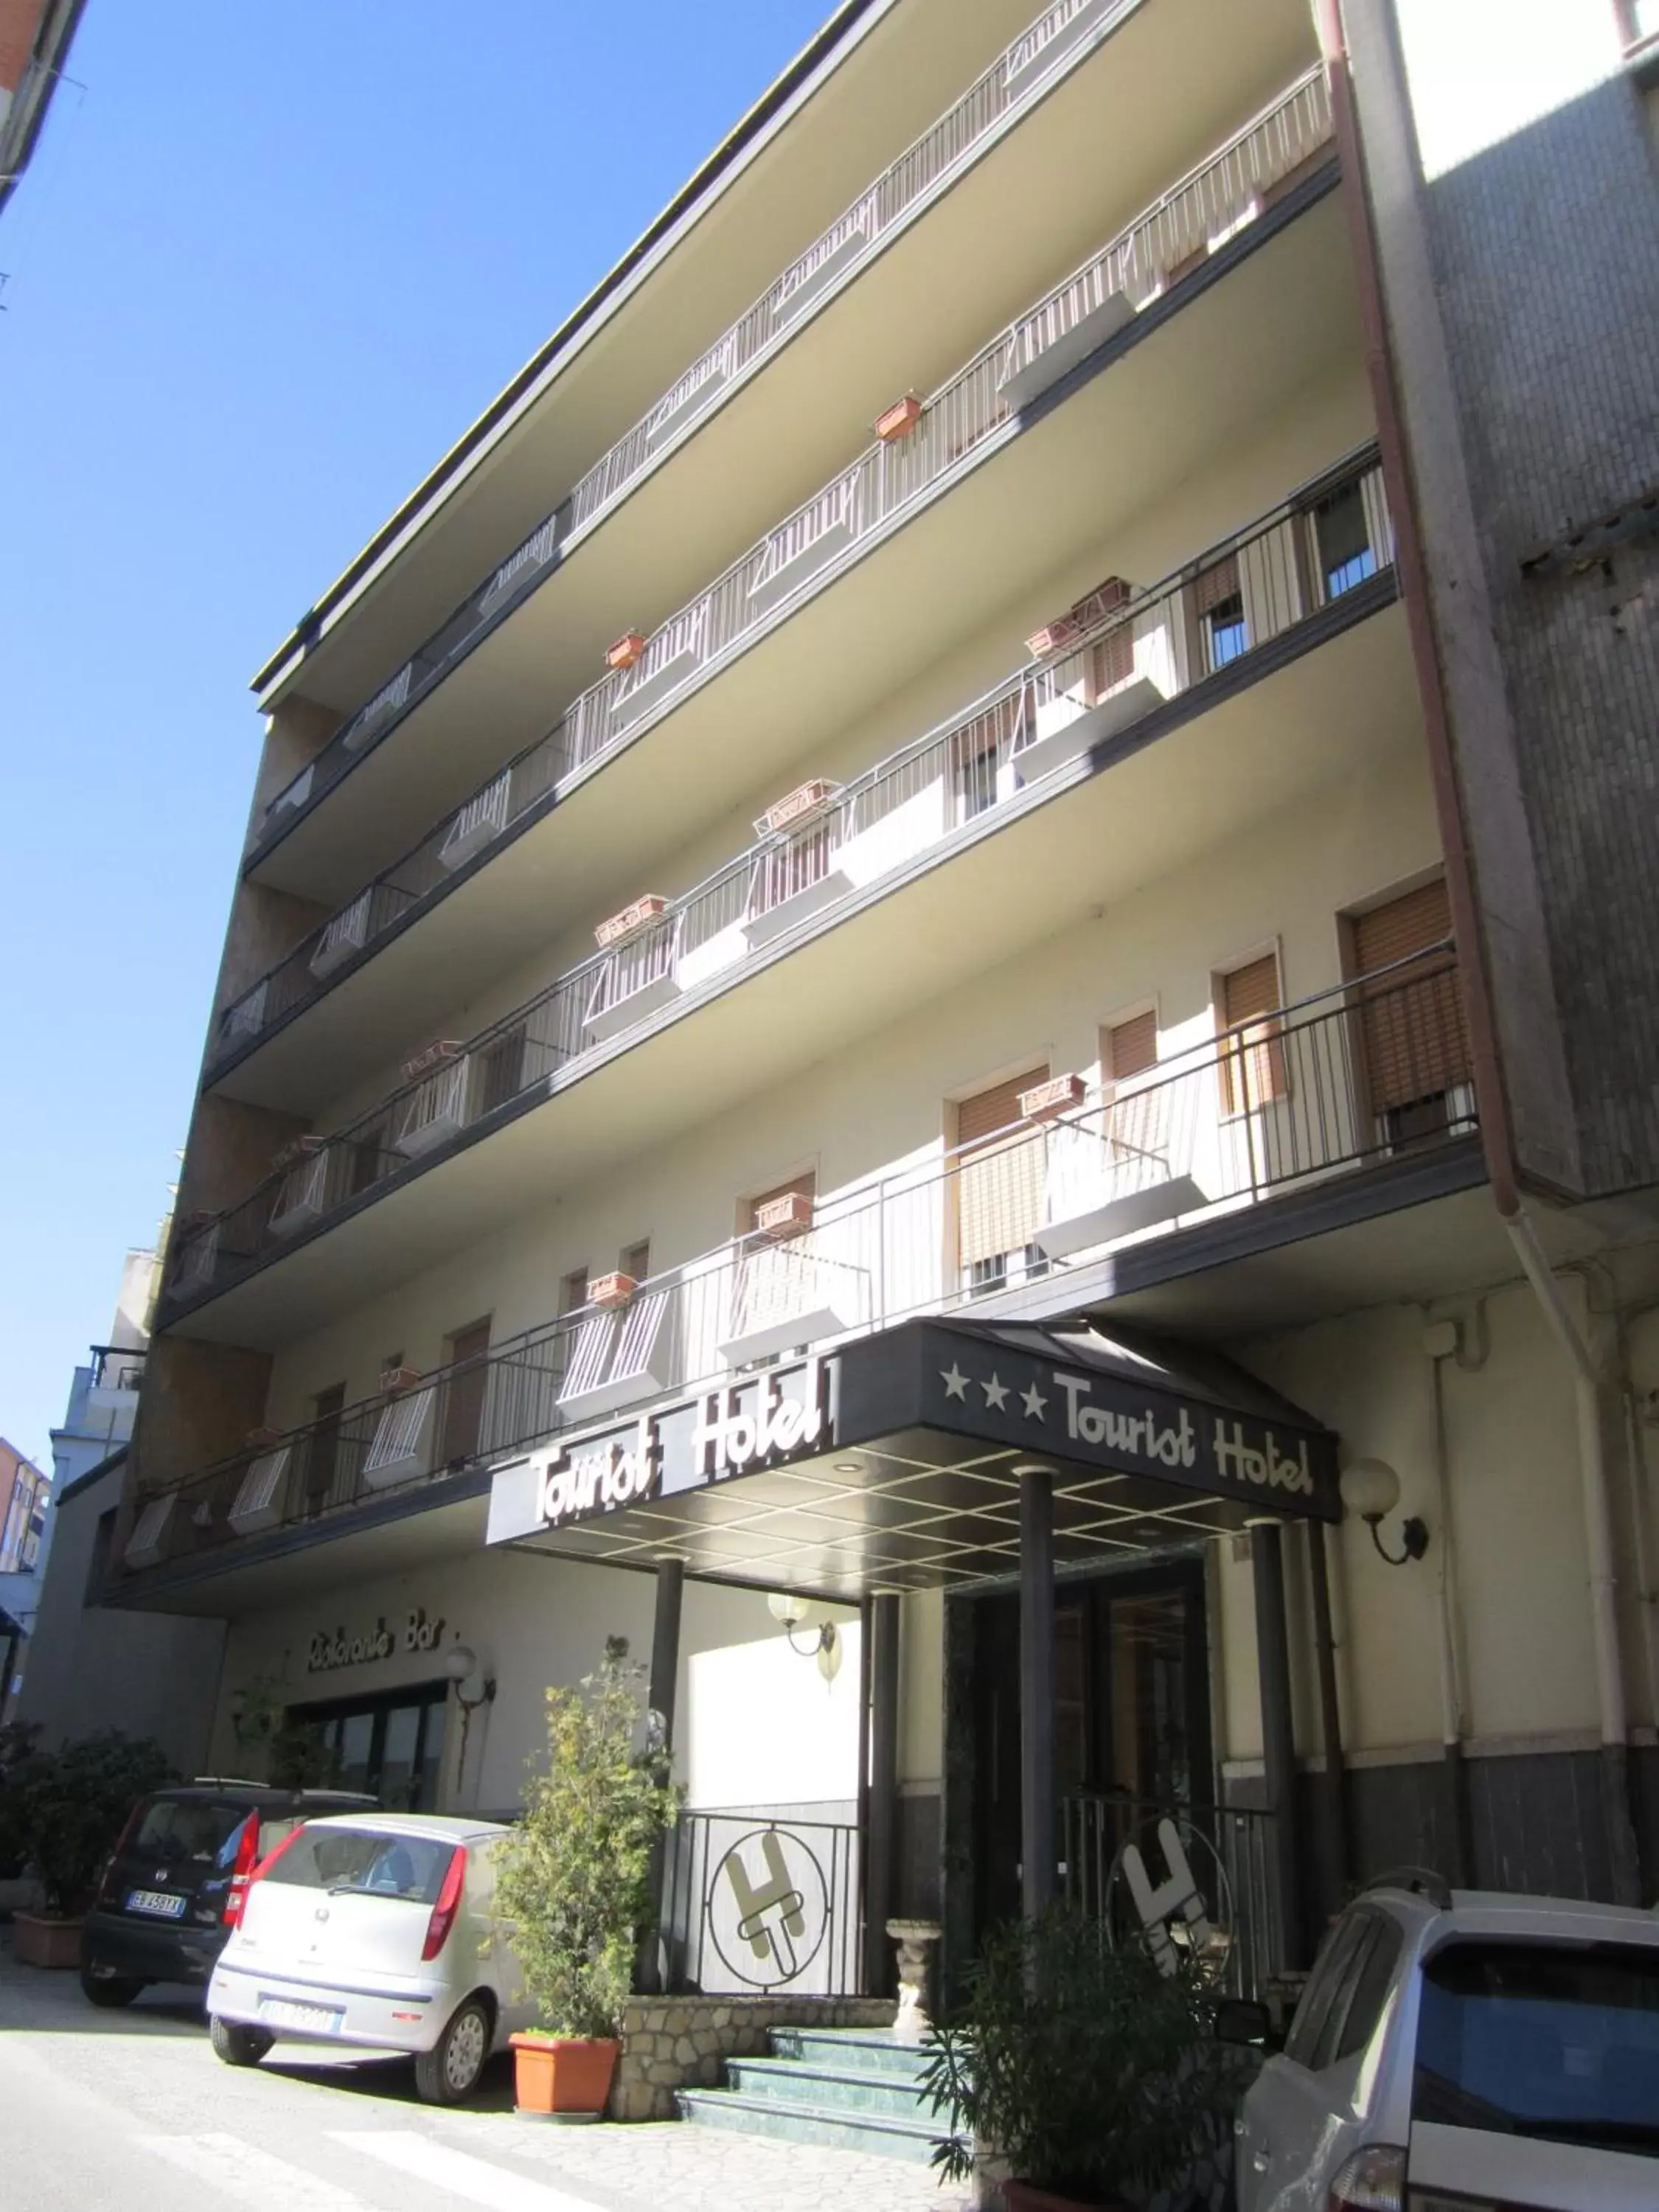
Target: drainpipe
point(1589, 1380)
point(1642, 1557)
point(1452, 1703)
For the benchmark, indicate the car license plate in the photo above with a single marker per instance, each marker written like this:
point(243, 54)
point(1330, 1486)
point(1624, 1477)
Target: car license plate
point(308, 2018)
point(156, 1901)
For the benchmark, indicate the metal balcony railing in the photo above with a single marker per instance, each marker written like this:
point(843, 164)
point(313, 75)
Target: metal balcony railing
point(1374, 1071)
point(117, 1367)
point(1214, 614)
point(1193, 217)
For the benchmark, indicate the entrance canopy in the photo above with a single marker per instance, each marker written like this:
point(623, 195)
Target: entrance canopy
point(893, 1463)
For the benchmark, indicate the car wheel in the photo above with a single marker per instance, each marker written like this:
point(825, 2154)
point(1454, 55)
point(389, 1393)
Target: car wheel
point(107, 1990)
point(450, 2070)
point(236, 2045)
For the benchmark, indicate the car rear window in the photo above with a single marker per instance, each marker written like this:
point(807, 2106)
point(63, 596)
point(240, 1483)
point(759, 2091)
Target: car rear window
point(185, 1831)
point(1553, 2040)
point(366, 1861)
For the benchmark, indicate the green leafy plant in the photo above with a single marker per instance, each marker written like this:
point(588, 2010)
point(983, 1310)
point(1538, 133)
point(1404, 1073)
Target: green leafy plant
point(1092, 2073)
point(574, 1875)
point(70, 1805)
point(17, 1741)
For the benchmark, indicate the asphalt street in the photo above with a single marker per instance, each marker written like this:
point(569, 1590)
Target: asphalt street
point(131, 2112)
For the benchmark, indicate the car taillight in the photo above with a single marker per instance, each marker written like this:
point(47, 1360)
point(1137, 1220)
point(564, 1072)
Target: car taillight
point(448, 1904)
point(247, 1857)
point(1372, 2181)
point(120, 1850)
point(255, 1869)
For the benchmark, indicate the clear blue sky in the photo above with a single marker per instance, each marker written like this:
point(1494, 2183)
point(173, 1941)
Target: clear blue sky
point(262, 273)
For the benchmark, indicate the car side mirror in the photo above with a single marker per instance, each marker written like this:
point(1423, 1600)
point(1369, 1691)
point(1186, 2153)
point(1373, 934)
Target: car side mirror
point(1242, 2021)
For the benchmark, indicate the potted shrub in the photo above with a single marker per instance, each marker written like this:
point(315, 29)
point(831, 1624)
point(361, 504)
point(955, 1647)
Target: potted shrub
point(1093, 2077)
point(67, 1810)
point(574, 1878)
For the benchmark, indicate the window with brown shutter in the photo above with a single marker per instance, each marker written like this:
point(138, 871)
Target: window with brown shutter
point(1130, 1048)
point(464, 1394)
point(1218, 603)
point(323, 1447)
point(1112, 661)
point(635, 1261)
point(1411, 1027)
point(1252, 1053)
point(1000, 1177)
point(573, 1291)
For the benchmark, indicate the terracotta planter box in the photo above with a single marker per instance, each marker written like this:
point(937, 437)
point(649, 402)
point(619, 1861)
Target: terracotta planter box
point(788, 1216)
point(898, 421)
point(298, 1149)
point(396, 1379)
point(435, 1055)
point(262, 1440)
point(628, 649)
point(805, 798)
point(612, 1291)
point(637, 916)
point(1025, 2197)
point(38, 1941)
point(1047, 1100)
point(1065, 629)
point(563, 2077)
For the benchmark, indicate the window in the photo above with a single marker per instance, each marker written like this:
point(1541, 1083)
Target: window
point(1218, 599)
point(503, 1074)
point(999, 1184)
point(390, 1747)
point(573, 1291)
point(322, 1448)
point(1324, 1988)
point(1129, 1048)
point(1542, 2041)
point(365, 1863)
point(636, 1260)
point(1342, 541)
point(1413, 1041)
point(368, 1159)
point(1252, 1053)
point(976, 751)
point(462, 1425)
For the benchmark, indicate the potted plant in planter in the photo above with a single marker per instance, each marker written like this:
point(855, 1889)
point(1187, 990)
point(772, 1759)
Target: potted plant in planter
point(574, 1878)
point(1093, 2077)
point(67, 1807)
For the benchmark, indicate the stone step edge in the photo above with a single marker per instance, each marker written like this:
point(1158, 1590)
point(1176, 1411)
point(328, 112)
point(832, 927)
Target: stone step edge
point(793, 2070)
point(849, 2038)
point(886, 2124)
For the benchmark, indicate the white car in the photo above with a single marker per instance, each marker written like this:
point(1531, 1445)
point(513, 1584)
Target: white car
point(376, 1930)
point(1462, 2051)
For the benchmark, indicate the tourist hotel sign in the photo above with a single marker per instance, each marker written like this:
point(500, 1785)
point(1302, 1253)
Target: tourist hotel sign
point(987, 1387)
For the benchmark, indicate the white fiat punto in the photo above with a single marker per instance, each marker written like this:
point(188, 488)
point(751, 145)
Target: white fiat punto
point(375, 1930)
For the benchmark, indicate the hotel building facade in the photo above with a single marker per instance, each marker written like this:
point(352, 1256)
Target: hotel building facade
point(960, 905)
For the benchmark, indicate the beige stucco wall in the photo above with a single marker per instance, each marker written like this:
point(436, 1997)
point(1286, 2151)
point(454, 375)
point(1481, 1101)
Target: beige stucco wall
point(757, 1724)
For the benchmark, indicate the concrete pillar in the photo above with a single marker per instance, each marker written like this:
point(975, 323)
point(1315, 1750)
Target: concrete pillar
point(880, 1835)
point(650, 1973)
point(1036, 1689)
point(1278, 1731)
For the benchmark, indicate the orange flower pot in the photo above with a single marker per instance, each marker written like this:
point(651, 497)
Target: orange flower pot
point(563, 2076)
point(37, 1940)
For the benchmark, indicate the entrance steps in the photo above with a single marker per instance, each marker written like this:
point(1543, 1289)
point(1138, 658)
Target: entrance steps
point(853, 2088)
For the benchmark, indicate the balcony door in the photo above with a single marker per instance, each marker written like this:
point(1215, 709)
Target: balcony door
point(464, 1395)
point(1001, 1164)
point(1132, 1708)
point(390, 1745)
point(1413, 1044)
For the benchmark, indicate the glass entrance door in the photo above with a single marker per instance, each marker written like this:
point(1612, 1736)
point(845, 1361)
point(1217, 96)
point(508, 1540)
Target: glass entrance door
point(1132, 1708)
point(391, 1747)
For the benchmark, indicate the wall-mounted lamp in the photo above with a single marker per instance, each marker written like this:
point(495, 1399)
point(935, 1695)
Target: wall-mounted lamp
point(1371, 1488)
point(460, 1665)
point(825, 1644)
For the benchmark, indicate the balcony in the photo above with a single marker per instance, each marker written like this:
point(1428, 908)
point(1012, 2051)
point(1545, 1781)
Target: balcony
point(531, 630)
point(1152, 260)
point(1370, 1075)
point(1109, 684)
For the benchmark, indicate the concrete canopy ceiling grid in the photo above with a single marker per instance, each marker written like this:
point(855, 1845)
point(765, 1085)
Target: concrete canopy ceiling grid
point(917, 1513)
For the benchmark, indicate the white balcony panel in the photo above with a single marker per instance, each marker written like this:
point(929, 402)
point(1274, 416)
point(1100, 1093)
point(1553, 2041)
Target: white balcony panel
point(399, 1450)
point(1066, 727)
point(295, 795)
point(348, 932)
point(912, 827)
point(435, 1112)
point(789, 575)
point(148, 1538)
point(1084, 338)
point(258, 1505)
point(656, 680)
point(300, 1196)
point(1135, 1209)
point(479, 822)
point(1057, 33)
point(818, 278)
point(721, 950)
point(787, 914)
point(621, 1013)
point(619, 1357)
point(689, 397)
point(247, 1016)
